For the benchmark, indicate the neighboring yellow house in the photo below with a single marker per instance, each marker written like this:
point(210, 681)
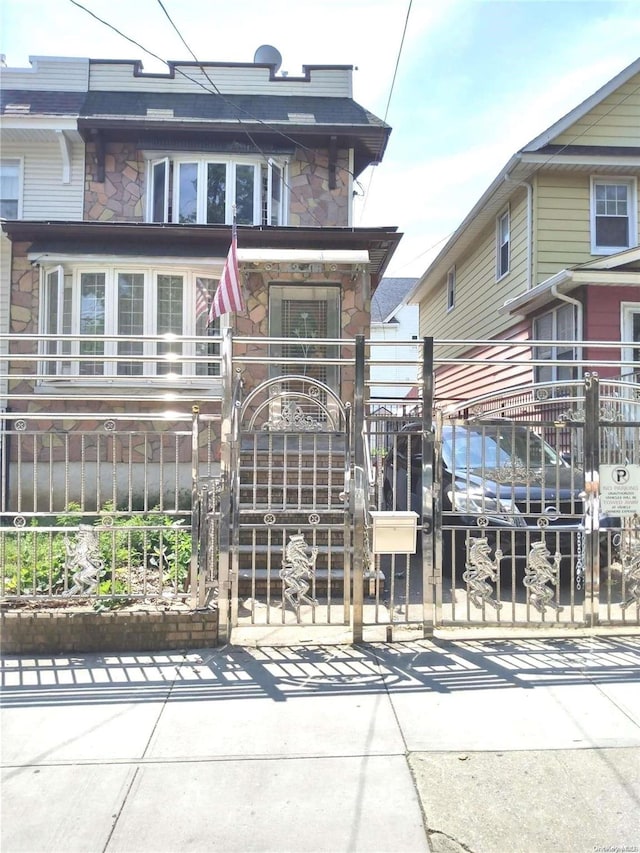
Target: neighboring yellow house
point(550, 251)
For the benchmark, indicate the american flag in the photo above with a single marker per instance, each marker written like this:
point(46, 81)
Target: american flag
point(228, 295)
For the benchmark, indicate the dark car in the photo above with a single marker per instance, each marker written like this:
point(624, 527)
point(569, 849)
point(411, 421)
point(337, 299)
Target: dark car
point(501, 481)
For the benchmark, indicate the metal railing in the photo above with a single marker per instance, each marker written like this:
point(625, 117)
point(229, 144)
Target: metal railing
point(105, 475)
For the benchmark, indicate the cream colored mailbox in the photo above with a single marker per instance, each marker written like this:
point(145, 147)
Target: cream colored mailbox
point(394, 532)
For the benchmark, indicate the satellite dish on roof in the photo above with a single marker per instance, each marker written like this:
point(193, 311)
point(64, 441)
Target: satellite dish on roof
point(266, 54)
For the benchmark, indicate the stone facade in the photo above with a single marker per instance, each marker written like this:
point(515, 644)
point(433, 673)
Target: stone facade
point(24, 292)
point(120, 198)
point(254, 323)
point(312, 202)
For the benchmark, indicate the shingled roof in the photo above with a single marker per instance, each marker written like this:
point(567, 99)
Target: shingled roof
point(301, 118)
point(34, 102)
point(294, 109)
point(389, 294)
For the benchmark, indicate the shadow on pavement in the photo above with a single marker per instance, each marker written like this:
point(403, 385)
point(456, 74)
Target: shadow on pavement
point(284, 673)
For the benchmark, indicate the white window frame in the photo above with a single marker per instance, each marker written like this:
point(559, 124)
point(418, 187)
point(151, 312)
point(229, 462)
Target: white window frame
point(328, 293)
point(500, 272)
point(627, 312)
point(632, 205)
point(451, 289)
point(19, 162)
point(553, 349)
point(201, 162)
point(68, 369)
point(152, 165)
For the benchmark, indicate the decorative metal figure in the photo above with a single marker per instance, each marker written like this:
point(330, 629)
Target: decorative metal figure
point(297, 569)
point(293, 417)
point(84, 560)
point(481, 568)
point(630, 567)
point(539, 572)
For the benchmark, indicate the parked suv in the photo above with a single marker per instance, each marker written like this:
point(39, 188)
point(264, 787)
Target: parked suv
point(502, 474)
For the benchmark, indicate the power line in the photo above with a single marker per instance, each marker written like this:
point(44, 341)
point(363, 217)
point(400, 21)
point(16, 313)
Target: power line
point(249, 137)
point(552, 156)
point(386, 112)
point(216, 90)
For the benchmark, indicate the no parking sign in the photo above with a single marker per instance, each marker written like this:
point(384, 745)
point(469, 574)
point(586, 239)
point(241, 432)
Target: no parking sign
point(620, 489)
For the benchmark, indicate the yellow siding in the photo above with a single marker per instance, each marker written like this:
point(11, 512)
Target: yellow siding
point(562, 227)
point(614, 121)
point(478, 294)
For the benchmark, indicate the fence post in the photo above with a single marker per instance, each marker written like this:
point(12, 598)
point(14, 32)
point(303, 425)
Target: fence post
point(196, 514)
point(224, 553)
point(592, 498)
point(357, 503)
point(427, 487)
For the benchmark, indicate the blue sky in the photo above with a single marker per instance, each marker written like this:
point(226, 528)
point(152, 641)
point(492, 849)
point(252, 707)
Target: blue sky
point(476, 79)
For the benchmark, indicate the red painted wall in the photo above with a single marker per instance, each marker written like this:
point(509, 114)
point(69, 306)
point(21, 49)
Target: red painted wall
point(602, 323)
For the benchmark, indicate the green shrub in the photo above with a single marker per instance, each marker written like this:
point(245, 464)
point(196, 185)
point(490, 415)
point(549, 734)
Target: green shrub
point(141, 554)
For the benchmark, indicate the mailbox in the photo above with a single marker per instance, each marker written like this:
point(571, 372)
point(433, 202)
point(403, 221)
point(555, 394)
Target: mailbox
point(394, 532)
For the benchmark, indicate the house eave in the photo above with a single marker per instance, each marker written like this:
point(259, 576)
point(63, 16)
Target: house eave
point(582, 109)
point(205, 241)
point(501, 186)
point(564, 282)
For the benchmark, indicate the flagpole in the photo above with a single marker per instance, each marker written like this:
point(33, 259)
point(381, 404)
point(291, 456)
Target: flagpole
point(228, 298)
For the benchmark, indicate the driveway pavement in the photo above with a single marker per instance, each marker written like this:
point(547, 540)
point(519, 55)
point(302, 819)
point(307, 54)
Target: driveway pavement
point(444, 745)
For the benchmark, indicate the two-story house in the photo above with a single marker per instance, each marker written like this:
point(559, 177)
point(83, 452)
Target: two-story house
point(118, 191)
point(549, 253)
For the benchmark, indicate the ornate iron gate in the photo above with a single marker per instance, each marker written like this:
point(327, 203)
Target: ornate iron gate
point(291, 534)
point(521, 534)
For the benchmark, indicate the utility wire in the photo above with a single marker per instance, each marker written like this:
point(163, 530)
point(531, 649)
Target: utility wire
point(216, 91)
point(386, 112)
point(548, 160)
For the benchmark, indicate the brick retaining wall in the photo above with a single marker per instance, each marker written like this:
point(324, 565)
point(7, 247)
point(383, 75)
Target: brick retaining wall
point(52, 632)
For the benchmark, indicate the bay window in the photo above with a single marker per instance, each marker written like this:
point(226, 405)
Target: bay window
point(111, 314)
point(204, 190)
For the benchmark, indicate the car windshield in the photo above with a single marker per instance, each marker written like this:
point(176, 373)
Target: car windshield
point(495, 447)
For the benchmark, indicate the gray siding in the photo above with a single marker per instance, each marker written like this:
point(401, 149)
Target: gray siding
point(119, 77)
point(48, 74)
point(45, 196)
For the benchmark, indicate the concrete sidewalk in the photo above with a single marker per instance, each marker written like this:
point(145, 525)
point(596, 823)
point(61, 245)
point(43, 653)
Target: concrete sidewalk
point(505, 745)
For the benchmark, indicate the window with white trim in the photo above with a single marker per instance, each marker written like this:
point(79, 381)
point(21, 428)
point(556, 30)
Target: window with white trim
point(558, 328)
point(111, 311)
point(613, 215)
point(503, 229)
point(203, 190)
point(451, 289)
point(630, 326)
point(10, 175)
point(304, 314)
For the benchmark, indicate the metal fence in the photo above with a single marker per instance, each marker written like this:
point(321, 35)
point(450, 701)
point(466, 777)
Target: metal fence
point(125, 490)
